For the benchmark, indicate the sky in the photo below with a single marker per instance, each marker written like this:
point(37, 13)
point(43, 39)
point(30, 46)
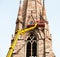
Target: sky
point(8, 16)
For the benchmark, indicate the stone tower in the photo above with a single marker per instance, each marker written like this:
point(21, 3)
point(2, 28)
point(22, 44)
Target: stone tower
point(37, 42)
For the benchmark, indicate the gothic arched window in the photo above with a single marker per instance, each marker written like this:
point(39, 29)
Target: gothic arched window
point(31, 49)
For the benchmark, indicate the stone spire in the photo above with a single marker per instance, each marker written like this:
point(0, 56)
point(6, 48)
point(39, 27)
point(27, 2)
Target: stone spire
point(38, 42)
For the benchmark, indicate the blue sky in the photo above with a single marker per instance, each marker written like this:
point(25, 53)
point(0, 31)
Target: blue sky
point(8, 16)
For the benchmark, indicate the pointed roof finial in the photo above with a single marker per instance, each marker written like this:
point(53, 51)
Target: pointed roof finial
point(43, 8)
point(20, 2)
point(43, 2)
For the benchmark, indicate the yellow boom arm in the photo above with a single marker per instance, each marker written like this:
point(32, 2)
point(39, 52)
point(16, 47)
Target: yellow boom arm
point(19, 32)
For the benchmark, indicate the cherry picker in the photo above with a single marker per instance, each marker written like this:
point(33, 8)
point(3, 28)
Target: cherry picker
point(19, 32)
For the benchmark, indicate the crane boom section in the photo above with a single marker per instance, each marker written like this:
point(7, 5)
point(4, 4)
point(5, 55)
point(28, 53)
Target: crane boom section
point(19, 32)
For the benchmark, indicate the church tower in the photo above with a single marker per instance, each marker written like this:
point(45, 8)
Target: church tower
point(37, 42)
